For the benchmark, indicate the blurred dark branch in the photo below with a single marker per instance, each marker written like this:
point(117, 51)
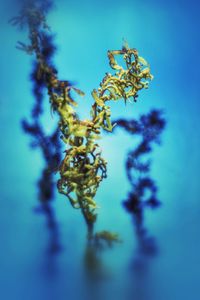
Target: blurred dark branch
point(50, 148)
point(144, 189)
point(33, 14)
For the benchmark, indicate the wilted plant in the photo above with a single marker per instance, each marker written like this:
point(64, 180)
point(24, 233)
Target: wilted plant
point(83, 167)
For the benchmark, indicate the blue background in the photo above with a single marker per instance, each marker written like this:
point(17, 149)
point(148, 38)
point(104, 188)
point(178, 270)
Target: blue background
point(166, 33)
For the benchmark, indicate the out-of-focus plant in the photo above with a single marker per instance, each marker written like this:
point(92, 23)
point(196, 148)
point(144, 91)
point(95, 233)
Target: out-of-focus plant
point(49, 144)
point(143, 192)
point(83, 167)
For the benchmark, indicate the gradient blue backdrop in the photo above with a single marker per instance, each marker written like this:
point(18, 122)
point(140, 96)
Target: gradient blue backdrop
point(166, 33)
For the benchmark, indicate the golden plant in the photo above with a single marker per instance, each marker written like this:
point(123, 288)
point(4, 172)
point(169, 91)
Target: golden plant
point(83, 167)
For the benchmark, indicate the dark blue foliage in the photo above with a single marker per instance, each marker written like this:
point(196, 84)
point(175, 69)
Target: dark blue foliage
point(144, 189)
